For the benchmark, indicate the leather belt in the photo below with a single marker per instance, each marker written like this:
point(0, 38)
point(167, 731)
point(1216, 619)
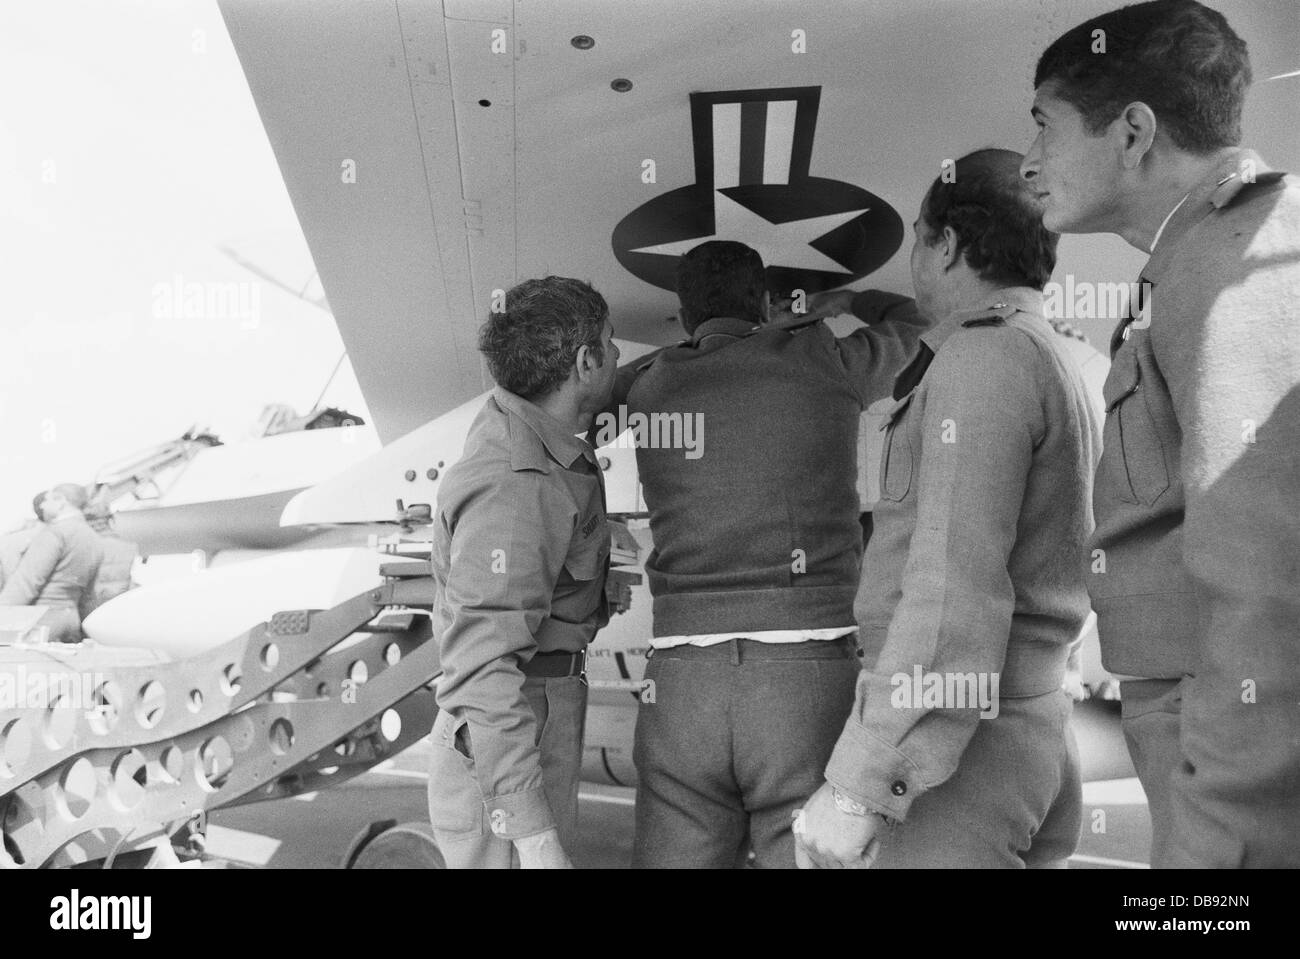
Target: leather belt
point(556, 665)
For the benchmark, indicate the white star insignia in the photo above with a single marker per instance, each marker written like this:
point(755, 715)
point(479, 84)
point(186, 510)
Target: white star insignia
point(779, 244)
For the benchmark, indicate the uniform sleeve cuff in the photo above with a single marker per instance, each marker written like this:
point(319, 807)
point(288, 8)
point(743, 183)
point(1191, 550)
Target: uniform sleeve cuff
point(519, 815)
point(869, 770)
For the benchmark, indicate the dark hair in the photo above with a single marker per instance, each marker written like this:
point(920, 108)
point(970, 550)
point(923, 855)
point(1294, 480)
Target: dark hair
point(37, 500)
point(720, 278)
point(1178, 57)
point(532, 344)
point(997, 217)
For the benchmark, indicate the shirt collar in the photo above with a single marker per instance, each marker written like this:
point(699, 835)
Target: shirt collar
point(529, 425)
point(1003, 303)
point(728, 325)
point(1217, 189)
point(1164, 223)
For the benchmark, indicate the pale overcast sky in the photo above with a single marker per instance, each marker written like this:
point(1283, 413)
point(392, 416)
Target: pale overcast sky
point(130, 150)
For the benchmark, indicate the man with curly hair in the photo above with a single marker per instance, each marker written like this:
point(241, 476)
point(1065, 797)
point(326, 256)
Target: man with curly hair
point(520, 554)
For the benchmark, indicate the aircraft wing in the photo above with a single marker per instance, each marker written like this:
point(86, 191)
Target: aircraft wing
point(437, 151)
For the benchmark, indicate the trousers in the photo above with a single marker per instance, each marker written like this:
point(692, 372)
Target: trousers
point(737, 738)
point(1151, 710)
point(1015, 801)
point(456, 803)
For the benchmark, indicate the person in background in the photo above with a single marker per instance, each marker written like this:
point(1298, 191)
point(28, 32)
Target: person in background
point(59, 565)
point(114, 576)
point(14, 543)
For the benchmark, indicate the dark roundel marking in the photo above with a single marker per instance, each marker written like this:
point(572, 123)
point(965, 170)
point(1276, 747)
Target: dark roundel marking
point(862, 245)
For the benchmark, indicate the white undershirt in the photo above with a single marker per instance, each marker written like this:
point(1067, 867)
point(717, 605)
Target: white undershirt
point(763, 636)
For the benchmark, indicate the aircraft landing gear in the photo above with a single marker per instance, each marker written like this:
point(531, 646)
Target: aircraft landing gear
point(387, 845)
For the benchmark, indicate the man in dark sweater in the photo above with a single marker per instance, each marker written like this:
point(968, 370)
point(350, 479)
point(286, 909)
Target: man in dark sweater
point(748, 465)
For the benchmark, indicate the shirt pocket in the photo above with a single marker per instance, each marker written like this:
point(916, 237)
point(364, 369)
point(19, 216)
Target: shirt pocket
point(896, 460)
point(871, 451)
point(1133, 456)
point(588, 557)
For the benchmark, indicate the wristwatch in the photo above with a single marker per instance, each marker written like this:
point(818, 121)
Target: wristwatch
point(846, 804)
point(851, 806)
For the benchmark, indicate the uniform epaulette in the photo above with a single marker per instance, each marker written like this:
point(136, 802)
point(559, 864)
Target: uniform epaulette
point(995, 315)
point(1228, 189)
point(1262, 179)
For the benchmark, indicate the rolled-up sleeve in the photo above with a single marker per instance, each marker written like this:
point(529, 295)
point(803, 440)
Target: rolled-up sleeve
point(508, 545)
point(978, 429)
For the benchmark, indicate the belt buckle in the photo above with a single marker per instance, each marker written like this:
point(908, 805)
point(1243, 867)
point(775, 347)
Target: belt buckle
point(582, 674)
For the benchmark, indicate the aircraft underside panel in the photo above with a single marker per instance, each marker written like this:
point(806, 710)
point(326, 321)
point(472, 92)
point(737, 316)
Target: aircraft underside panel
point(438, 152)
point(356, 101)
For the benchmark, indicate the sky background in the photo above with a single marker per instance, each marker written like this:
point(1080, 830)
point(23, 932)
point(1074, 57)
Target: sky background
point(140, 115)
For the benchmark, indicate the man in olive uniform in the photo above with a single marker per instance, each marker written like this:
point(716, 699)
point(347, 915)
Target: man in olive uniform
point(957, 751)
point(1198, 491)
point(520, 554)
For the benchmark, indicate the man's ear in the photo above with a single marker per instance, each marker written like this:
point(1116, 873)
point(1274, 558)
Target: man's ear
point(1137, 125)
point(765, 310)
point(949, 247)
point(584, 364)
